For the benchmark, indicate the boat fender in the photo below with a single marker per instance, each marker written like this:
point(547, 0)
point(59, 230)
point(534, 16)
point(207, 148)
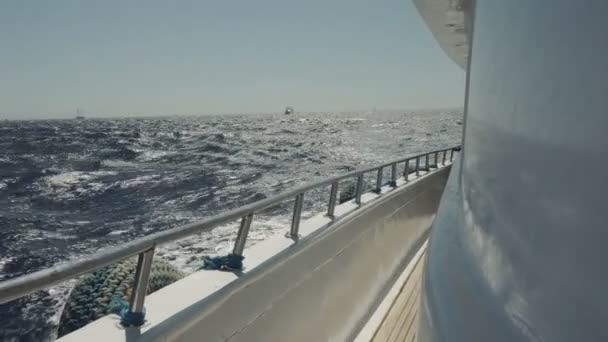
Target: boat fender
point(91, 297)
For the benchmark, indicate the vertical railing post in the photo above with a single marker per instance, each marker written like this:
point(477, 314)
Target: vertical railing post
point(445, 152)
point(426, 160)
point(417, 166)
point(241, 236)
point(297, 215)
point(140, 282)
point(436, 159)
point(406, 172)
point(451, 155)
point(394, 175)
point(333, 197)
point(379, 179)
point(359, 189)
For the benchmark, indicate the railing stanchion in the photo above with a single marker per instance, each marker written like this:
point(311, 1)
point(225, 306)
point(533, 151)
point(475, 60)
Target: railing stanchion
point(333, 197)
point(241, 236)
point(451, 155)
point(445, 152)
point(379, 179)
point(394, 175)
point(437, 159)
point(426, 160)
point(417, 166)
point(297, 215)
point(140, 282)
point(406, 172)
point(359, 189)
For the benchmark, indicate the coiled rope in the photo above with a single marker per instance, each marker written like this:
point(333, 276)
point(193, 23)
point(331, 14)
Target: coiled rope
point(229, 262)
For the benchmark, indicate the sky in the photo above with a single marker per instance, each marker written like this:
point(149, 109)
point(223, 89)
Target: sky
point(130, 58)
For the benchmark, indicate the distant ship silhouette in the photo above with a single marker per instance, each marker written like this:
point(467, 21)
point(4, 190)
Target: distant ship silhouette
point(79, 114)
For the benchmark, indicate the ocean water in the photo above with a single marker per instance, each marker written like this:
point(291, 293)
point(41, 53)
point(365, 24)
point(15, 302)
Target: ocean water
point(72, 187)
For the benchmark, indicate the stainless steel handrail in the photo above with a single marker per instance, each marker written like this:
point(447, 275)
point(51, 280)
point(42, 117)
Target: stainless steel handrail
point(144, 246)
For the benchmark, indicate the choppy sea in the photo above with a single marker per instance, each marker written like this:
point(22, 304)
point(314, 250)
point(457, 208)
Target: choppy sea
point(69, 188)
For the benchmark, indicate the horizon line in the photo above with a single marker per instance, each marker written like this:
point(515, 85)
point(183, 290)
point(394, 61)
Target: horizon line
point(202, 114)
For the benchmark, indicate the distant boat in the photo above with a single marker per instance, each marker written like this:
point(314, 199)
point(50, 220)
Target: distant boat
point(79, 114)
point(288, 110)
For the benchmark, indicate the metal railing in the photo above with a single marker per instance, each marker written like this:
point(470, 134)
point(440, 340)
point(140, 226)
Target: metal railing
point(144, 247)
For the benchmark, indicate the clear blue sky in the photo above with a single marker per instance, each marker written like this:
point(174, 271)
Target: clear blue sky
point(123, 58)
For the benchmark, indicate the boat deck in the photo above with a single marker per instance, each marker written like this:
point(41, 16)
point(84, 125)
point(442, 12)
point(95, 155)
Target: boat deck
point(400, 322)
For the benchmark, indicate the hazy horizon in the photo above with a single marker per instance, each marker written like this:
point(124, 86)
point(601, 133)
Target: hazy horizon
point(170, 115)
point(119, 59)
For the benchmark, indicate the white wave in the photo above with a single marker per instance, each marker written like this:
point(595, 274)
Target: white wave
point(151, 155)
point(119, 232)
point(8, 181)
point(67, 179)
point(77, 223)
point(57, 236)
point(137, 181)
point(3, 262)
point(118, 163)
point(175, 177)
point(71, 184)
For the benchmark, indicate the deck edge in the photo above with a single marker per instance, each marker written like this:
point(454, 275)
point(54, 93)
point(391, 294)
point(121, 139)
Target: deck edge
point(370, 328)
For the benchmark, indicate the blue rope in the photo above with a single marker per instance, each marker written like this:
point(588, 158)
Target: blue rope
point(228, 262)
point(127, 318)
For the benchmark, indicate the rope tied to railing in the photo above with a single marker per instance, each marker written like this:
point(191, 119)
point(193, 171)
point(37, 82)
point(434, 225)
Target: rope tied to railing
point(229, 262)
point(127, 317)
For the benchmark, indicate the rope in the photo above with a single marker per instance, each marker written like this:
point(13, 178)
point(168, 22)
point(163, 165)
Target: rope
point(127, 318)
point(230, 262)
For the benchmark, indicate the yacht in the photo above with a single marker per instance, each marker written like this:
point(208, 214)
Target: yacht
point(79, 114)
